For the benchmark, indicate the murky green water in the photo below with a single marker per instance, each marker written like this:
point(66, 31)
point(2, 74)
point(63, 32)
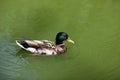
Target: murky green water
point(93, 25)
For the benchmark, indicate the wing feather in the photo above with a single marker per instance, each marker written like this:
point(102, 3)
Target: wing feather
point(41, 44)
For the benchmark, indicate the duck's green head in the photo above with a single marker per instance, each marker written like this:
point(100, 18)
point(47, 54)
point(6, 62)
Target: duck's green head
point(61, 37)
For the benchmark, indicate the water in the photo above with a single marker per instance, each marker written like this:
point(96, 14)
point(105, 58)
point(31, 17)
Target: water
point(93, 25)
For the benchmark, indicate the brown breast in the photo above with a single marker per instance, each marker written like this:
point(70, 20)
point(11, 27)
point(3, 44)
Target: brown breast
point(61, 49)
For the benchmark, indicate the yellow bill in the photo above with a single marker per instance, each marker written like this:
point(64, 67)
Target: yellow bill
point(71, 41)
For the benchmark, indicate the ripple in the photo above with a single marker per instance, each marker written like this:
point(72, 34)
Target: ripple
point(10, 65)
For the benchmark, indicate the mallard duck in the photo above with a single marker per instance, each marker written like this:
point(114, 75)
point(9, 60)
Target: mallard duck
point(45, 47)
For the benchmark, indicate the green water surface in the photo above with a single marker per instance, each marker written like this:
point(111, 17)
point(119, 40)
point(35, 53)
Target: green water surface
point(94, 25)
